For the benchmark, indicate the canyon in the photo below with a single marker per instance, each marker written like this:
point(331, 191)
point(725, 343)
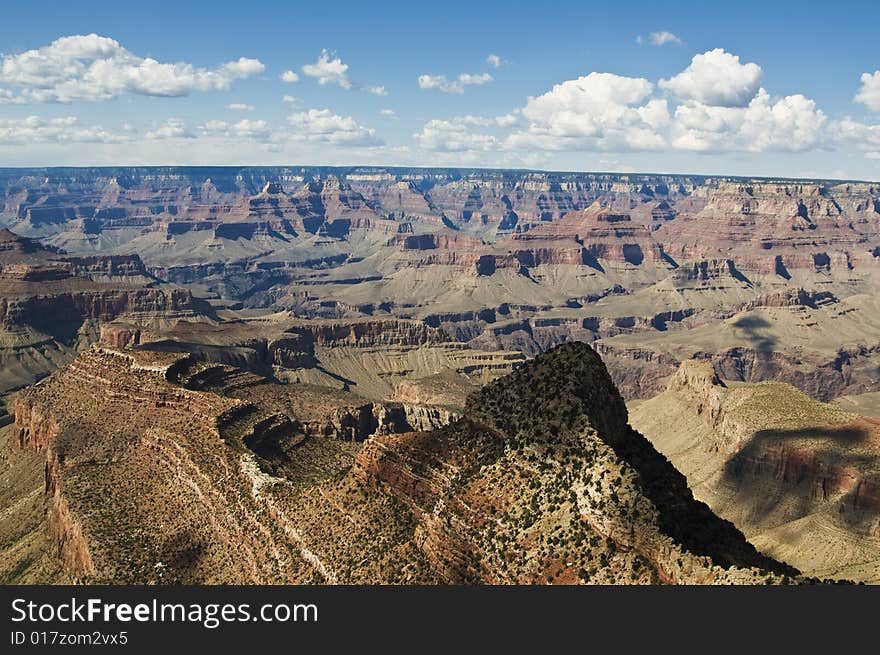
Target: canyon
point(318, 366)
point(164, 469)
point(504, 260)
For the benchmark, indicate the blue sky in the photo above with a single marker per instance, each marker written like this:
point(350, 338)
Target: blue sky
point(751, 89)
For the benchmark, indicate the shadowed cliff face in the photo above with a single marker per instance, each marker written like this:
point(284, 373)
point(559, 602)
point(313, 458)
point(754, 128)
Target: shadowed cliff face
point(544, 398)
point(209, 474)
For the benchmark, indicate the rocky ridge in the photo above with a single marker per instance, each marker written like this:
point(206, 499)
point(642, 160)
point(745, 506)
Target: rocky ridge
point(217, 475)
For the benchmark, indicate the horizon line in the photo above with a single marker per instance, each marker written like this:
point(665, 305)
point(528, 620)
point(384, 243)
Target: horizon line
point(380, 168)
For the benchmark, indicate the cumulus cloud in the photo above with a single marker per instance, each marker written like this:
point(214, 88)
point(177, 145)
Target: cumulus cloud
point(505, 120)
point(598, 111)
point(478, 78)
point(470, 119)
point(92, 67)
point(172, 128)
point(322, 125)
point(869, 92)
point(245, 129)
point(791, 124)
point(289, 99)
point(442, 83)
point(864, 137)
point(289, 76)
point(606, 112)
point(660, 38)
point(33, 129)
point(7, 97)
point(329, 71)
point(715, 105)
point(454, 136)
point(588, 96)
point(495, 61)
point(716, 78)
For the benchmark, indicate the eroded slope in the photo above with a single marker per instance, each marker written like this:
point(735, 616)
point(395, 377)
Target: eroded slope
point(799, 477)
point(163, 468)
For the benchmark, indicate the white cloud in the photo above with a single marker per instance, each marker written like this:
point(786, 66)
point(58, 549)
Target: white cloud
point(329, 71)
point(606, 112)
point(869, 92)
point(791, 124)
point(453, 136)
point(469, 119)
point(716, 105)
point(214, 126)
point(476, 78)
point(172, 128)
point(662, 38)
point(864, 137)
point(590, 95)
point(322, 125)
point(243, 67)
point(454, 131)
point(289, 76)
point(33, 129)
point(495, 61)
point(289, 99)
point(441, 83)
point(599, 111)
point(7, 97)
point(716, 78)
point(92, 67)
point(245, 129)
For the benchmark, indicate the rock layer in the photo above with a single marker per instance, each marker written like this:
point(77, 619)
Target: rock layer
point(217, 475)
point(800, 477)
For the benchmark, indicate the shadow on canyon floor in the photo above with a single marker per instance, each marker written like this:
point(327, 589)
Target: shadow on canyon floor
point(752, 328)
point(775, 476)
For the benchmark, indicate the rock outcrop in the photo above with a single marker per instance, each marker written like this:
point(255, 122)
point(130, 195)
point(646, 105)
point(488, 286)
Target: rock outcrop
point(53, 304)
point(540, 446)
point(771, 227)
point(164, 469)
